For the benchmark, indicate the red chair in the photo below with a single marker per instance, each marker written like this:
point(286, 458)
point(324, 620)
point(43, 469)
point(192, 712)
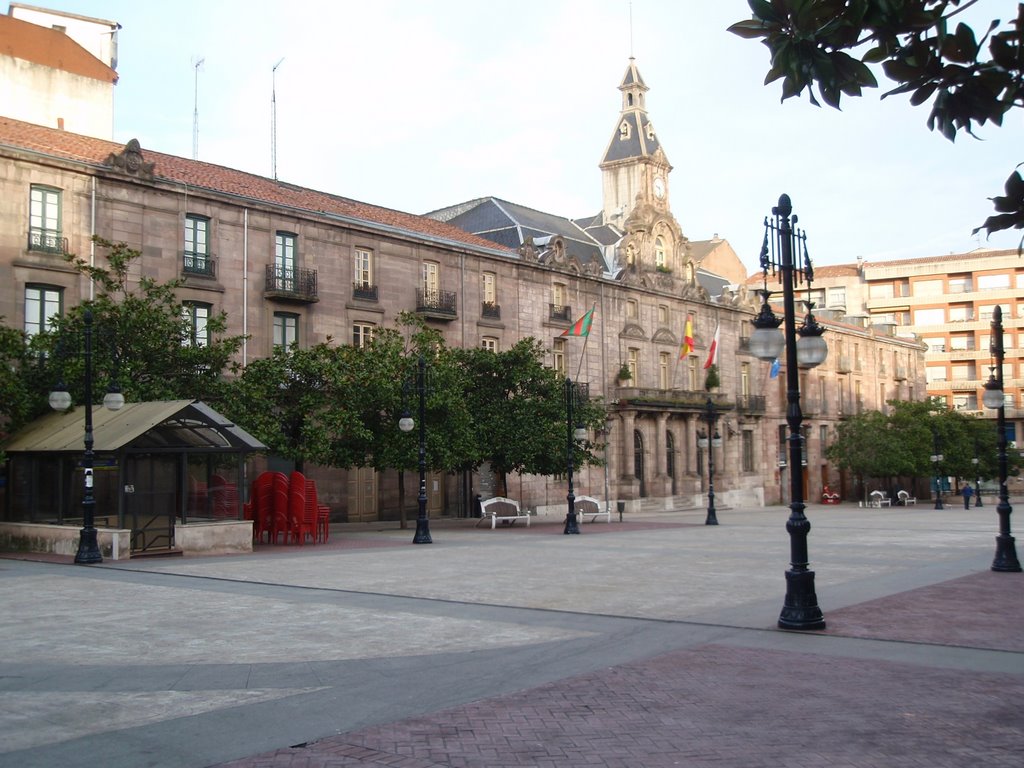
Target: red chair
point(279, 507)
point(321, 512)
point(301, 523)
point(260, 508)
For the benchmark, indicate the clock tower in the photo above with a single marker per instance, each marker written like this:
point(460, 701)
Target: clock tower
point(634, 169)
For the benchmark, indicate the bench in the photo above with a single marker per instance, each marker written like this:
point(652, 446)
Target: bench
point(879, 499)
point(905, 499)
point(504, 509)
point(588, 505)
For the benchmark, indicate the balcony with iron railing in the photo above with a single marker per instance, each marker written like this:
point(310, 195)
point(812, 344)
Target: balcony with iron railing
point(751, 404)
point(560, 312)
point(364, 291)
point(490, 310)
point(47, 241)
point(198, 264)
point(679, 399)
point(440, 305)
point(290, 284)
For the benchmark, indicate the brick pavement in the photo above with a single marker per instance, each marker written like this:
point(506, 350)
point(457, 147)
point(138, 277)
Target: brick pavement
point(721, 705)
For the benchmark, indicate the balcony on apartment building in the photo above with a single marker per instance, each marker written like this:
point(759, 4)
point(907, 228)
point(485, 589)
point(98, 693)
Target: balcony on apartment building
point(490, 310)
point(198, 264)
point(364, 291)
point(561, 312)
point(671, 399)
point(290, 284)
point(436, 304)
point(47, 241)
point(751, 404)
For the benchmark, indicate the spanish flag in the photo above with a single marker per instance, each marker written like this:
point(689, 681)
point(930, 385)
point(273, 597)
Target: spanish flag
point(582, 326)
point(687, 348)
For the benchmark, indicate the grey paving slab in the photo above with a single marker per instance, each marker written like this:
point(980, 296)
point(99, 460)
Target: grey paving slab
point(647, 643)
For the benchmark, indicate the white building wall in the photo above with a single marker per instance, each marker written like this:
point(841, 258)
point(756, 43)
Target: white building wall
point(56, 99)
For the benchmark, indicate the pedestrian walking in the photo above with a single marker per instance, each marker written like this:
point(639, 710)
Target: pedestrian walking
point(967, 492)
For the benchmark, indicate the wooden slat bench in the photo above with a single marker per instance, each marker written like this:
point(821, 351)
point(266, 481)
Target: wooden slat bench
point(588, 505)
point(504, 509)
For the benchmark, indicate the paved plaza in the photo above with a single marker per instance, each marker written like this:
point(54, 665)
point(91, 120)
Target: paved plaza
point(646, 643)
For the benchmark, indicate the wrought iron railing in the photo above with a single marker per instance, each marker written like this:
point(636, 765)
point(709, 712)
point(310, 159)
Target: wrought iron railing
point(202, 264)
point(299, 284)
point(436, 302)
point(491, 310)
point(364, 291)
point(560, 312)
point(46, 240)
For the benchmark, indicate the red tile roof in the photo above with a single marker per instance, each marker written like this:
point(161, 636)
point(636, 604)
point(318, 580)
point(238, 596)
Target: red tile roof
point(217, 178)
point(50, 48)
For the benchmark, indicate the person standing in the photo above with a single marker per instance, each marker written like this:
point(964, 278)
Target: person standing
point(967, 492)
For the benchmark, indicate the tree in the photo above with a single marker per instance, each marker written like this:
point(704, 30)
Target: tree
point(519, 412)
point(918, 48)
point(144, 341)
point(21, 394)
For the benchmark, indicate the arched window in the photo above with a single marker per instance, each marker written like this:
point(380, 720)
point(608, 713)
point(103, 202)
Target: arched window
point(660, 257)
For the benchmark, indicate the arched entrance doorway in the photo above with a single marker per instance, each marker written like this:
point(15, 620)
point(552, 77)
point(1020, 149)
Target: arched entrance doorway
point(638, 461)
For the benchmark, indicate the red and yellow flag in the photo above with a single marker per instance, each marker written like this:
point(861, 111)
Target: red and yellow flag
point(687, 348)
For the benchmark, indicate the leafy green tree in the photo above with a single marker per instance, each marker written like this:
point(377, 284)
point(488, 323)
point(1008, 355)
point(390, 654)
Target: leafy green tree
point(864, 446)
point(921, 47)
point(143, 341)
point(21, 393)
point(519, 411)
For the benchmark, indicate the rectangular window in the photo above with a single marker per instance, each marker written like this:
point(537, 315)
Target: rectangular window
point(745, 379)
point(362, 334)
point(993, 282)
point(837, 297)
point(431, 280)
point(664, 369)
point(197, 245)
point(959, 284)
point(286, 329)
point(489, 288)
point(44, 220)
point(197, 316)
point(692, 374)
point(662, 314)
point(960, 313)
point(933, 316)
point(633, 364)
point(363, 269)
point(42, 304)
point(928, 288)
point(558, 356)
point(880, 291)
point(284, 261)
point(632, 309)
point(490, 343)
point(748, 450)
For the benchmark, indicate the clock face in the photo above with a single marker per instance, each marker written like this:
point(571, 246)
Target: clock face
point(659, 187)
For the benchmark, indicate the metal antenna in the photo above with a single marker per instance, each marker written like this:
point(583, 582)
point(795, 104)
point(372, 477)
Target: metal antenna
point(631, 29)
point(273, 117)
point(195, 114)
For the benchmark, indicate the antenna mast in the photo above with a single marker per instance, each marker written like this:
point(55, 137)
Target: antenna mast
point(273, 118)
point(195, 113)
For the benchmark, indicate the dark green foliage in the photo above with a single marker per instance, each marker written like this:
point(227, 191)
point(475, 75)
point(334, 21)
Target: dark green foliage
point(920, 46)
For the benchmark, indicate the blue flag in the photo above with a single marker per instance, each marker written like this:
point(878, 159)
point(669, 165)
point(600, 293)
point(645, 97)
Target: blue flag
point(775, 368)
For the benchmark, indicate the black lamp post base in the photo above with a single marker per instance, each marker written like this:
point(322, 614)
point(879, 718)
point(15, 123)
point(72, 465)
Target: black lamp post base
point(89, 550)
point(800, 610)
point(711, 519)
point(422, 532)
point(1006, 555)
point(572, 525)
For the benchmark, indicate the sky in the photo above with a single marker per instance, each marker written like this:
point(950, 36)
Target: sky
point(421, 104)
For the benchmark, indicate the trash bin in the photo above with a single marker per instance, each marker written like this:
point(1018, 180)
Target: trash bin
point(621, 507)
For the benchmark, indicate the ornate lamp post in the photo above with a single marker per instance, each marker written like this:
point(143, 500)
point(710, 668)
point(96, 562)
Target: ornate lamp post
point(800, 610)
point(937, 458)
point(406, 424)
point(1006, 551)
point(708, 442)
point(573, 432)
point(60, 400)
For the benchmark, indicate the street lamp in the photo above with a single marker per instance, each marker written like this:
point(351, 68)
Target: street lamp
point(937, 458)
point(800, 610)
point(60, 400)
point(708, 442)
point(1006, 551)
point(573, 432)
point(406, 424)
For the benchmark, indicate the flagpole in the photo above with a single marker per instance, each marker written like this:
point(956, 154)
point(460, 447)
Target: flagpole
point(585, 340)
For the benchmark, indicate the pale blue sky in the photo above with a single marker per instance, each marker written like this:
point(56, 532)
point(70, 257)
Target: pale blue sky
point(420, 105)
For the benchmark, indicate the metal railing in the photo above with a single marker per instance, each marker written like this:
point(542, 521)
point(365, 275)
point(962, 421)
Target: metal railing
point(299, 284)
point(436, 302)
point(560, 312)
point(490, 309)
point(47, 241)
point(364, 291)
point(202, 264)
